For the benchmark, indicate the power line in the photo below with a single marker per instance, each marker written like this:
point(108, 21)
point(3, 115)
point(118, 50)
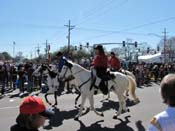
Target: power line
point(99, 14)
point(94, 11)
point(108, 31)
point(29, 25)
point(135, 27)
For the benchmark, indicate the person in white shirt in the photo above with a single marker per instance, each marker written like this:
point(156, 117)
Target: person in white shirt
point(165, 121)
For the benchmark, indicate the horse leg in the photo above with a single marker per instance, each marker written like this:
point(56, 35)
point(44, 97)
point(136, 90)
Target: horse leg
point(55, 96)
point(91, 101)
point(108, 96)
point(77, 98)
point(83, 96)
point(121, 99)
point(47, 99)
point(127, 92)
point(124, 107)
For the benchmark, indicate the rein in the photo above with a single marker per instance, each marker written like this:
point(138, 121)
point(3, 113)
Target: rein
point(72, 74)
point(84, 83)
point(71, 77)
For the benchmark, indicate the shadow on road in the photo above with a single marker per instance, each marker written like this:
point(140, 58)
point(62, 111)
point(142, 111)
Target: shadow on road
point(139, 126)
point(107, 105)
point(122, 126)
point(59, 117)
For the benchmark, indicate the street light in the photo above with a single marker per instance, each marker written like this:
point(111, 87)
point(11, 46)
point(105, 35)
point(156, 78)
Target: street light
point(14, 49)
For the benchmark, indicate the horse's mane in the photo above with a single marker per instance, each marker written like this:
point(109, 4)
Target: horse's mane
point(77, 65)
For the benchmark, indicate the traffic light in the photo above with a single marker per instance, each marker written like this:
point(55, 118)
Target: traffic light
point(81, 46)
point(75, 48)
point(148, 50)
point(123, 43)
point(158, 48)
point(135, 43)
point(87, 44)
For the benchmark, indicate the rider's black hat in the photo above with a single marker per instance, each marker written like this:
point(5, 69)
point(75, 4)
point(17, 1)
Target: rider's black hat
point(112, 53)
point(99, 47)
point(59, 53)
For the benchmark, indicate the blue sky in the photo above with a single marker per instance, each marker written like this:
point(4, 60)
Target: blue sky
point(31, 22)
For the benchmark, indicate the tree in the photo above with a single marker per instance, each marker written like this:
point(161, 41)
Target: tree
point(2, 58)
point(6, 55)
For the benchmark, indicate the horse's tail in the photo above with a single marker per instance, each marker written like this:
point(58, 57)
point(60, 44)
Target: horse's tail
point(132, 88)
point(130, 74)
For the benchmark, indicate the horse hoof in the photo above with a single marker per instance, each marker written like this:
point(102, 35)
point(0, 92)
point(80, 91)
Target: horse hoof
point(102, 115)
point(137, 101)
point(76, 118)
point(115, 117)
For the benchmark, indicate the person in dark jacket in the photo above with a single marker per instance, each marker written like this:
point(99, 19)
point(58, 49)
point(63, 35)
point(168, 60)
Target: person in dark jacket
point(3, 74)
point(13, 77)
point(21, 74)
point(61, 60)
point(33, 114)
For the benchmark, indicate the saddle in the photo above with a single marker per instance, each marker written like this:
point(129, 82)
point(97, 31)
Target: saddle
point(103, 86)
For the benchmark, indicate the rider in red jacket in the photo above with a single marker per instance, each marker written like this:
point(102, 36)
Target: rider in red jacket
point(100, 61)
point(114, 62)
point(100, 64)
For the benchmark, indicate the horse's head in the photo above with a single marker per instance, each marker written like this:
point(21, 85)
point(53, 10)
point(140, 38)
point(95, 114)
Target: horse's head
point(37, 71)
point(41, 69)
point(66, 70)
point(45, 69)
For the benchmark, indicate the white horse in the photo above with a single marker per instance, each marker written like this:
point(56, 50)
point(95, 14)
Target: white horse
point(52, 82)
point(120, 83)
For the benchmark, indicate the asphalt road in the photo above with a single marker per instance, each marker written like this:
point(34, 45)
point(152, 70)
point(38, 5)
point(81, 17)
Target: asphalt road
point(136, 120)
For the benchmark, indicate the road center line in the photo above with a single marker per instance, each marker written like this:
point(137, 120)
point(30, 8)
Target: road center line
point(13, 107)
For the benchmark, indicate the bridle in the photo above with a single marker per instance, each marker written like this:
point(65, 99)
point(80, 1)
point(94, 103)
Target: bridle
point(72, 74)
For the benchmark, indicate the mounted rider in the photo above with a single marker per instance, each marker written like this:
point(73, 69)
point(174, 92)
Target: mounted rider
point(61, 60)
point(114, 62)
point(100, 64)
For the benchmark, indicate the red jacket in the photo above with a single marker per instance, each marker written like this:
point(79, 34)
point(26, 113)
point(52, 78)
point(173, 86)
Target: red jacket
point(114, 63)
point(101, 61)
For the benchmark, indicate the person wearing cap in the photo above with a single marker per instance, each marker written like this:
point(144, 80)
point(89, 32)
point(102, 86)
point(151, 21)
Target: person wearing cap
point(100, 64)
point(61, 60)
point(33, 114)
point(114, 62)
point(165, 121)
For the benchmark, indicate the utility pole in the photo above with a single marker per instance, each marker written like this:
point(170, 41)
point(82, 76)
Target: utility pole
point(38, 50)
point(47, 49)
point(165, 38)
point(31, 55)
point(70, 27)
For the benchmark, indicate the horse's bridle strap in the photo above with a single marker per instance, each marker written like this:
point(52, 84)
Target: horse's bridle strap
point(84, 82)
